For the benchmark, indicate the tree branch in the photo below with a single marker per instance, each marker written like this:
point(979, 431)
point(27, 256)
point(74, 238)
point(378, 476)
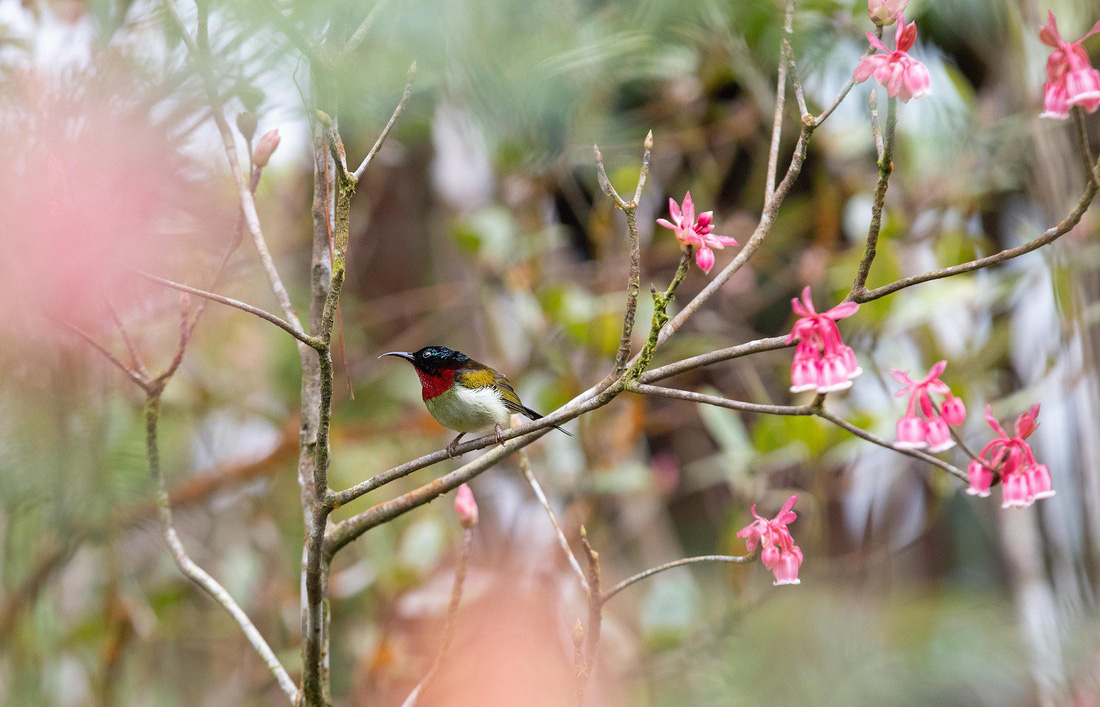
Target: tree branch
point(563, 543)
point(452, 618)
point(1049, 236)
point(197, 574)
point(286, 326)
point(393, 119)
point(885, 169)
point(734, 559)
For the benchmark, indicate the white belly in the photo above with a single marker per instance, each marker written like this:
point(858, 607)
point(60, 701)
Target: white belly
point(469, 410)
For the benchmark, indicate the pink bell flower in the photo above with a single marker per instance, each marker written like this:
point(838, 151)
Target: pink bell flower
point(822, 362)
point(954, 410)
point(938, 435)
point(466, 507)
point(885, 12)
point(912, 433)
point(1071, 80)
point(695, 232)
point(981, 478)
point(1024, 479)
point(779, 553)
point(933, 429)
point(903, 76)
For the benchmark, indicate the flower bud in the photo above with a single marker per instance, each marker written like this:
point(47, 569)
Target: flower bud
point(265, 147)
point(246, 123)
point(466, 507)
point(885, 12)
point(954, 411)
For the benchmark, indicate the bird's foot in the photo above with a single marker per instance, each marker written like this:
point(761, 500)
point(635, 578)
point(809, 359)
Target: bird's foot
point(500, 436)
point(452, 448)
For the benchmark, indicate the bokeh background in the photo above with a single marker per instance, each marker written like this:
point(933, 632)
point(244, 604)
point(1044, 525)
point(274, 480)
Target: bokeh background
point(480, 226)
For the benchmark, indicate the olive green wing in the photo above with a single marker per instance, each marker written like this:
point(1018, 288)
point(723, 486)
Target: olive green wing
point(485, 377)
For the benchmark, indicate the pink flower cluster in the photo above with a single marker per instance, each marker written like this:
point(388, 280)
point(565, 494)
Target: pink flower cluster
point(903, 76)
point(1071, 80)
point(821, 360)
point(780, 554)
point(695, 232)
point(1025, 480)
point(932, 430)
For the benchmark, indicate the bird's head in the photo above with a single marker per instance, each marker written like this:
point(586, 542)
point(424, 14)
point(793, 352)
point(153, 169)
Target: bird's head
point(432, 359)
point(435, 366)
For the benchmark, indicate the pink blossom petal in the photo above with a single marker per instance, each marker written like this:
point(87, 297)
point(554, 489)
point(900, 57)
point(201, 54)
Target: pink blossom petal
point(667, 224)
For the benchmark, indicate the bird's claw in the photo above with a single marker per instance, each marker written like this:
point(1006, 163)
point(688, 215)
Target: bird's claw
point(500, 436)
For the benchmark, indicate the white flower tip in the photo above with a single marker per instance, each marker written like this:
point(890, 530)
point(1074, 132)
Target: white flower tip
point(835, 387)
point(942, 447)
point(1054, 116)
point(780, 583)
point(1045, 494)
point(803, 388)
point(910, 445)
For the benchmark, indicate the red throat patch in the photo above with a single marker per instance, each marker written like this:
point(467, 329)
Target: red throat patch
point(435, 383)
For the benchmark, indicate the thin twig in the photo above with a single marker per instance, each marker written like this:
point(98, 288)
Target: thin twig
point(595, 620)
point(363, 29)
point(525, 467)
point(452, 618)
point(141, 380)
point(248, 203)
point(286, 326)
point(1083, 144)
point(885, 169)
point(690, 364)
point(849, 84)
point(734, 559)
point(633, 283)
point(780, 104)
point(197, 574)
point(358, 174)
point(135, 355)
point(915, 453)
point(791, 410)
point(1049, 236)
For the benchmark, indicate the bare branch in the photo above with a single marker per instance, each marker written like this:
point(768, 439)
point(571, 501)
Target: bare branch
point(690, 364)
point(141, 380)
point(845, 90)
point(595, 620)
point(197, 574)
point(916, 454)
point(389, 126)
point(885, 169)
point(733, 559)
point(363, 29)
point(780, 104)
point(135, 355)
point(1083, 147)
point(525, 467)
point(289, 328)
point(248, 203)
point(452, 616)
point(1049, 236)
point(792, 410)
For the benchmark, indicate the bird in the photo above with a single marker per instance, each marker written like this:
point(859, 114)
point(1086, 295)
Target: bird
point(464, 395)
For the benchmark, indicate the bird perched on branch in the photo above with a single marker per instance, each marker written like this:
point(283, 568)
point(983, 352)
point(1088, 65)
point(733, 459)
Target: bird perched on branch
point(464, 395)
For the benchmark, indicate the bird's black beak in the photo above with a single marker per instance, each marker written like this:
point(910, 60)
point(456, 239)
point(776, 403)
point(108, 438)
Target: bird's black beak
point(400, 354)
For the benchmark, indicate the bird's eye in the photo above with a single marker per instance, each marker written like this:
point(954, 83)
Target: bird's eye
point(427, 354)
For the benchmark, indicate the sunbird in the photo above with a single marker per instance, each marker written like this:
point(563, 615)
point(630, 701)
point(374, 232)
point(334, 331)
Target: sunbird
point(464, 395)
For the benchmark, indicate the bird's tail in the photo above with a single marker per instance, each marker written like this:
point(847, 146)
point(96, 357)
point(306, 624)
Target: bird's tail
point(535, 416)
